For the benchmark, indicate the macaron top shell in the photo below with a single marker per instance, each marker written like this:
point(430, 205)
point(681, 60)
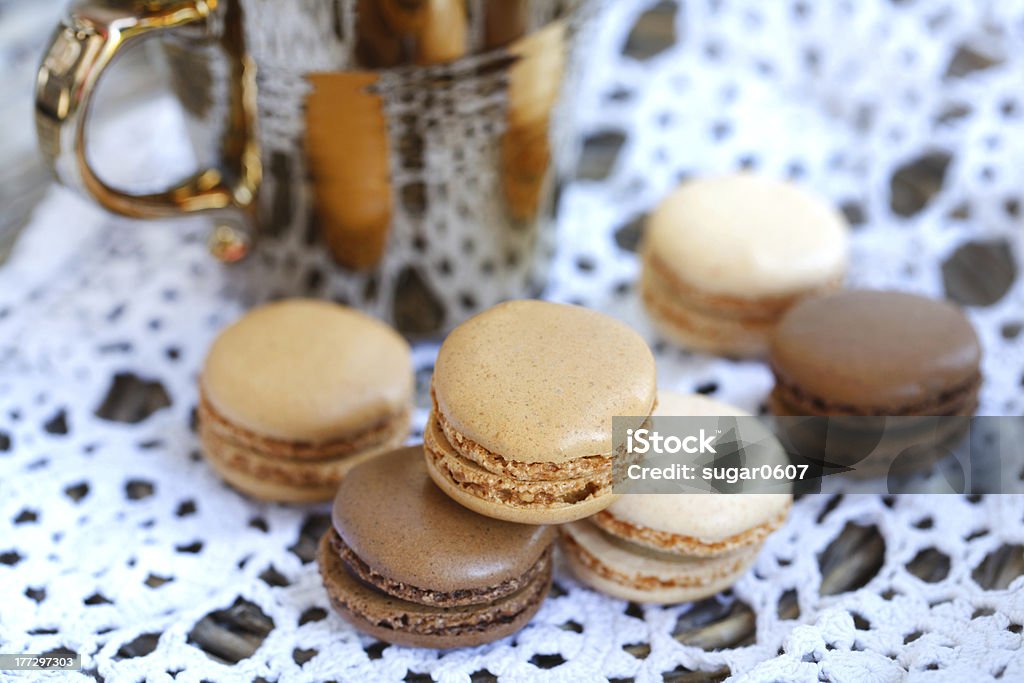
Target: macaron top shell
point(705, 516)
point(749, 236)
point(875, 349)
point(393, 517)
point(307, 370)
point(534, 381)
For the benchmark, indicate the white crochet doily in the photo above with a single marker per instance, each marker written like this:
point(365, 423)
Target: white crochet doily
point(116, 539)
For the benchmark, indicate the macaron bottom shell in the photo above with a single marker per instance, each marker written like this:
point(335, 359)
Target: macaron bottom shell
point(631, 572)
point(402, 622)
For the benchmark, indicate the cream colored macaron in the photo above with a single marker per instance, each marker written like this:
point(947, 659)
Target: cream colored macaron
point(524, 396)
point(296, 392)
point(725, 257)
point(673, 547)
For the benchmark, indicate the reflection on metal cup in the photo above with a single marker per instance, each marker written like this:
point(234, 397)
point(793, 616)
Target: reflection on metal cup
point(348, 149)
point(390, 154)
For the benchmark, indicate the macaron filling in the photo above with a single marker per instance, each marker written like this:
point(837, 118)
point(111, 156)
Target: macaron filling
point(665, 541)
point(285, 470)
point(505, 489)
point(587, 466)
point(788, 398)
point(216, 426)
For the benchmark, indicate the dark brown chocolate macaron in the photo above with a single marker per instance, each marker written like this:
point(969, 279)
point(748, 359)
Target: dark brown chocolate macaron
point(408, 565)
point(875, 353)
point(897, 375)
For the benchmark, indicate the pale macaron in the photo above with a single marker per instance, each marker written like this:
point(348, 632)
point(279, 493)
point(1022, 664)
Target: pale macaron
point(524, 396)
point(667, 548)
point(725, 257)
point(296, 392)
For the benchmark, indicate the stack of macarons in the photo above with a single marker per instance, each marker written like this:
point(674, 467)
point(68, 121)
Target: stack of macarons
point(524, 395)
point(297, 392)
point(446, 544)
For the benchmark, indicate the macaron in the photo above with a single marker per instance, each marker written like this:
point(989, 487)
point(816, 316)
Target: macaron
point(296, 392)
point(723, 258)
point(868, 352)
point(668, 548)
point(523, 399)
point(855, 355)
point(405, 564)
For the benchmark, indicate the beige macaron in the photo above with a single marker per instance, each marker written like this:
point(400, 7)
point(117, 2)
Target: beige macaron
point(669, 548)
point(295, 393)
point(725, 257)
point(524, 396)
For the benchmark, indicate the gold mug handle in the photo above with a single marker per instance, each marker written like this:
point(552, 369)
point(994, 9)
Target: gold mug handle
point(92, 34)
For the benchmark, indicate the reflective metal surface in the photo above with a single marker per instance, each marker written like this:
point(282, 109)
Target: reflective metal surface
point(406, 140)
point(94, 33)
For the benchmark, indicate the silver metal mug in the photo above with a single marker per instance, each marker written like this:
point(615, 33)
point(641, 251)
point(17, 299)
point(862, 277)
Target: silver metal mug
point(393, 155)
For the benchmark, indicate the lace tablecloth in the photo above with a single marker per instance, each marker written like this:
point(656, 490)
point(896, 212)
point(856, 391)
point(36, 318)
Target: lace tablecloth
point(118, 542)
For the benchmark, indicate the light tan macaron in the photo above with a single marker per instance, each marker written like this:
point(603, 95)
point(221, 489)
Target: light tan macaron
point(297, 392)
point(723, 259)
point(667, 548)
point(524, 396)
